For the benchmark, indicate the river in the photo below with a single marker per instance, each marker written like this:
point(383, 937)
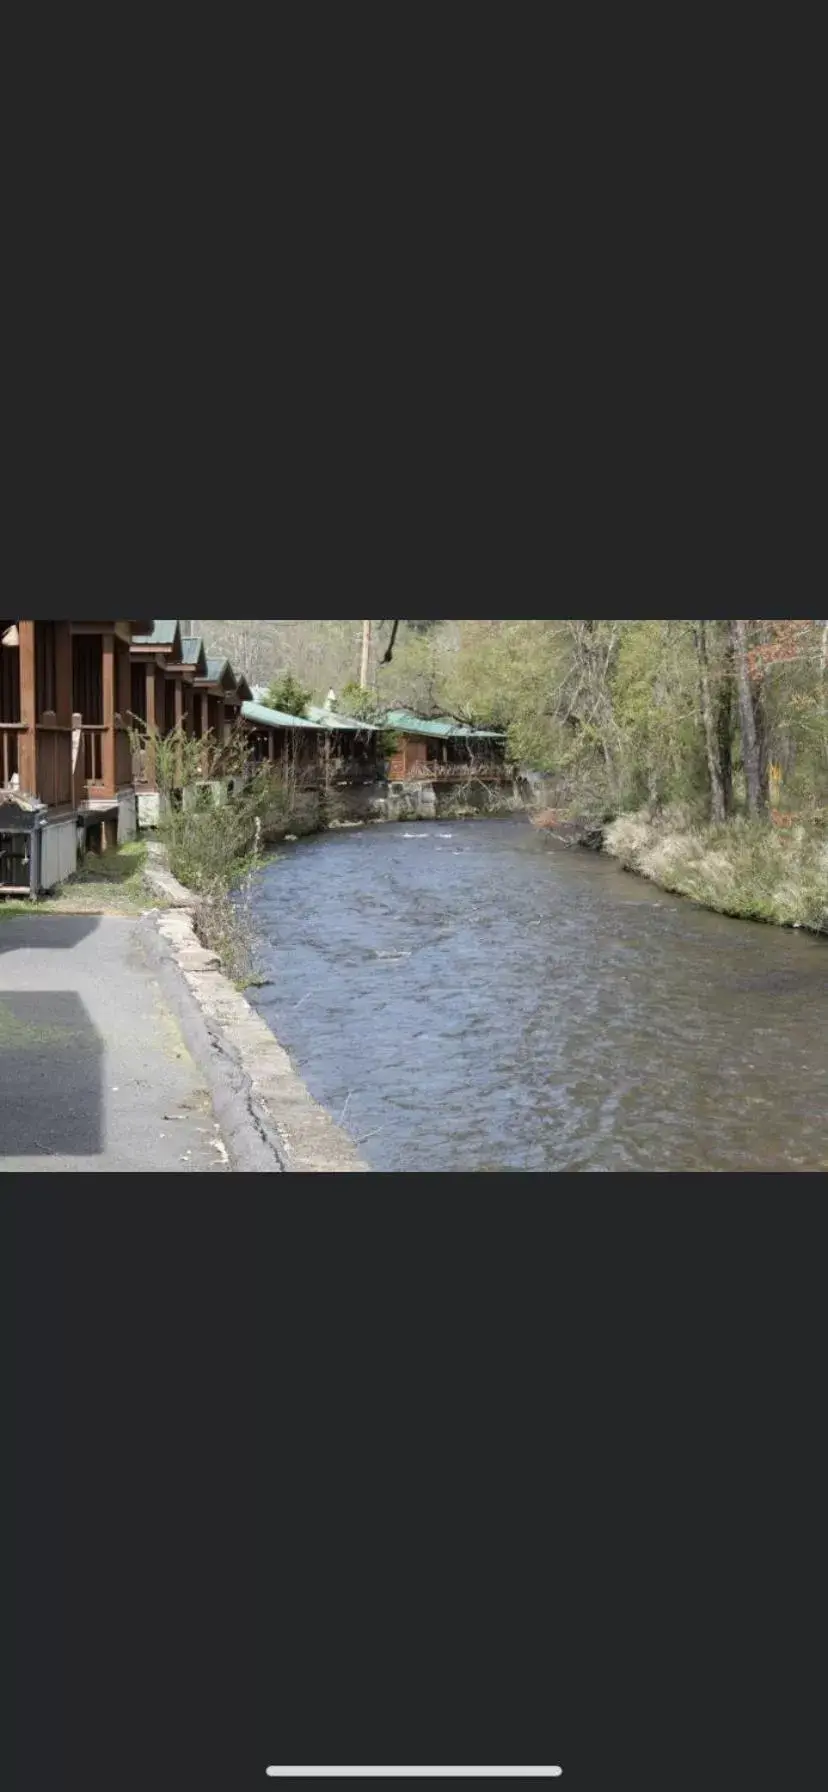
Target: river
point(472, 996)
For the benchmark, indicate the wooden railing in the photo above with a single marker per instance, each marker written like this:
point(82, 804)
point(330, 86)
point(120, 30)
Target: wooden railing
point(92, 754)
point(434, 771)
point(123, 756)
point(143, 766)
point(53, 748)
point(352, 771)
point(53, 760)
point(9, 751)
point(94, 772)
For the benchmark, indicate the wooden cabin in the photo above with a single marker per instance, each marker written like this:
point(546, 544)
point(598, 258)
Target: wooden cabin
point(101, 699)
point(64, 703)
point(194, 664)
point(291, 743)
point(438, 748)
point(36, 704)
point(215, 689)
point(350, 750)
point(157, 686)
point(233, 700)
point(64, 747)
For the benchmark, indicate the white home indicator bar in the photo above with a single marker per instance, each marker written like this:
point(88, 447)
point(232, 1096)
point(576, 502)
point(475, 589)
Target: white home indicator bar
point(499, 1773)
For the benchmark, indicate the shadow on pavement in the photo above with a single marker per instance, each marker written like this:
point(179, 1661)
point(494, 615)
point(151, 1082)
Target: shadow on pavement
point(39, 931)
point(51, 1094)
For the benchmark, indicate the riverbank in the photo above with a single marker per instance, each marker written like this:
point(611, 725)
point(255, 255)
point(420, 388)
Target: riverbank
point(752, 870)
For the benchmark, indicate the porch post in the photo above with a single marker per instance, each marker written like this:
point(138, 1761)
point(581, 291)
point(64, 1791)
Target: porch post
point(205, 714)
point(63, 674)
point(149, 711)
point(27, 748)
point(108, 683)
point(178, 695)
point(123, 694)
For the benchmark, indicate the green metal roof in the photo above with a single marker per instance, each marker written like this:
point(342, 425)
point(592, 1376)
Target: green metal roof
point(274, 718)
point(330, 718)
point(163, 635)
point(439, 727)
point(216, 670)
point(191, 646)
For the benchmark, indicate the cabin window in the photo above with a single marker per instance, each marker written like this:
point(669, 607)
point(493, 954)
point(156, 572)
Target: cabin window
point(45, 669)
point(87, 678)
point(9, 679)
point(138, 689)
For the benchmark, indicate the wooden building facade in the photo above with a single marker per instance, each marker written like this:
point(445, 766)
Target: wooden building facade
point(64, 704)
point(36, 708)
point(438, 748)
point(290, 742)
point(64, 742)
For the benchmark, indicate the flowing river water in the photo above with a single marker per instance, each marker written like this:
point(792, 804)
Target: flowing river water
point(472, 996)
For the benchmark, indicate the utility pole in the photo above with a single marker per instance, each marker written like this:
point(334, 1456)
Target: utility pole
point(366, 655)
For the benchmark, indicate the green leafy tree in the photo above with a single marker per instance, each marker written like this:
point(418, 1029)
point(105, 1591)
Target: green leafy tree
point(288, 694)
point(363, 704)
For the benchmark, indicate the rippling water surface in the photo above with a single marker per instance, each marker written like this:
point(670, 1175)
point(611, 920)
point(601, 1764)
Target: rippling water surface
point(470, 996)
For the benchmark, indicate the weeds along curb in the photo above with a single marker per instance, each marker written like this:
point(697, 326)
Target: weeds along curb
point(268, 1116)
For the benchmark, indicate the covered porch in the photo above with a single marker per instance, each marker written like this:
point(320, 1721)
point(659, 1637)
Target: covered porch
point(36, 711)
point(216, 693)
point(286, 742)
point(101, 702)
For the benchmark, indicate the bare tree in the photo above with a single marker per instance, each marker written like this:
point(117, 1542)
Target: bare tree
point(751, 750)
point(717, 797)
point(724, 717)
point(365, 661)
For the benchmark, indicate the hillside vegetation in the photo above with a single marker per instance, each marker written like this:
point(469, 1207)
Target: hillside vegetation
point(721, 715)
point(713, 735)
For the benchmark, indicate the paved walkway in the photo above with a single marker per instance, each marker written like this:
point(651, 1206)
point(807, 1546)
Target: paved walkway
point(94, 1070)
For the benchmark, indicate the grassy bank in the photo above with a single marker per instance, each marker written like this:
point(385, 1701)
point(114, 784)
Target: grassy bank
point(110, 883)
point(750, 869)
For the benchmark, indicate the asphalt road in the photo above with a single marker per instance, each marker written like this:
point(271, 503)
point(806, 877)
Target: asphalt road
point(95, 1073)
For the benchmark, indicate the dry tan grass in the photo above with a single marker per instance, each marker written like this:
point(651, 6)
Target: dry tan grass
point(748, 869)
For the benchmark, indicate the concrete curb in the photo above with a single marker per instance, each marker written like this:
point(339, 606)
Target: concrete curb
point(161, 880)
point(268, 1117)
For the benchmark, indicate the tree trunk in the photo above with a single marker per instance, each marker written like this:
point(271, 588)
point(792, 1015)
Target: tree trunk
point(717, 797)
point(724, 728)
point(824, 676)
point(389, 651)
point(762, 738)
point(747, 721)
point(366, 655)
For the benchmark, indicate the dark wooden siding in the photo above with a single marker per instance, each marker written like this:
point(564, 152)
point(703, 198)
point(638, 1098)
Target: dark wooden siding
point(87, 678)
point(9, 682)
point(138, 691)
point(45, 668)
